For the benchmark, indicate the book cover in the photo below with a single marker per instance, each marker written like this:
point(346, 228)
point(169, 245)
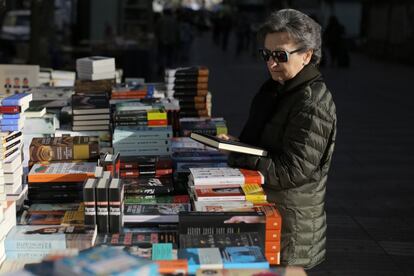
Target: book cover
point(229, 145)
point(47, 238)
point(17, 99)
point(209, 176)
point(10, 109)
point(154, 212)
point(89, 199)
point(102, 208)
point(152, 199)
point(219, 193)
point(41, 217)
point(221, 240)
point(90, 104)
point(148, 186)
point(115, 197)
point(105, 260)
point(58, 172)
point(64, 148)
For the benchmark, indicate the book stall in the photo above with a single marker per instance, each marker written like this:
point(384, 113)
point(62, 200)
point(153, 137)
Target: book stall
point(99, 176)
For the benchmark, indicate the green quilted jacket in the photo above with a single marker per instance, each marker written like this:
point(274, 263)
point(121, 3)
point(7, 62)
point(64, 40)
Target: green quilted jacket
point(296, 124)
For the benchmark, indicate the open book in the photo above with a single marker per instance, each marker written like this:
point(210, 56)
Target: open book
point(229, 145)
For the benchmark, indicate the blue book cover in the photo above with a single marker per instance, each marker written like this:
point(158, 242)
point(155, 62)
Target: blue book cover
point(162, 251)
point(11, 116)
point(244, 257)
point(106, 261)
point(4, 128)
point(17, 99)
point(7, 122)
point(34, 238)
point(209, 258)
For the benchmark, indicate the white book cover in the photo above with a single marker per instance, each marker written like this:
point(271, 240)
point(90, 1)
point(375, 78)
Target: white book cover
point(95, 61)
point(212, 176)
point(12, 164)
point(63, 75)
point(17, 78)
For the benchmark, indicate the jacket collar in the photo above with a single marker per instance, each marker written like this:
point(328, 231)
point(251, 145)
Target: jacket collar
point(308, 74)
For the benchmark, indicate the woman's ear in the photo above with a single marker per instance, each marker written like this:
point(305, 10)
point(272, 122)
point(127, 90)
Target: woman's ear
point(307, 57)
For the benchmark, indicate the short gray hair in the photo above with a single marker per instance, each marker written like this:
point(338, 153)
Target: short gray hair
point(301, 28)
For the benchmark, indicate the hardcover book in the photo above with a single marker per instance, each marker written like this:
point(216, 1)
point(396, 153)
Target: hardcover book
point(19, 99)
point(228, 145)
point(102, 208)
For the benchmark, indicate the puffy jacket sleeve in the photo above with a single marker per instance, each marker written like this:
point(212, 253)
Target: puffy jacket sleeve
point(304, 143)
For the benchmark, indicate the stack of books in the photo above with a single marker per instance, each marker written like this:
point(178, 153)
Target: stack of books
point(91, 111)
point(190, 86)
point(205, 125)
point(95, 68)
point(132, 92)
point(11, 163)
point(142, 140)
point(150, 117)
point(14, 106)
point(59, 182)
point(262, 221)
point(226, 184)
point(7, 222)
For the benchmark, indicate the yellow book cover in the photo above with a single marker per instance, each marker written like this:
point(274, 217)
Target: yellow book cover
point(156, 114)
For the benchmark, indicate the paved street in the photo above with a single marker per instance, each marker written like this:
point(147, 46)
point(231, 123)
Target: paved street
point(370, 200)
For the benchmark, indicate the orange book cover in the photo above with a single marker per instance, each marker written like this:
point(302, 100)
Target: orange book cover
point(252, 177)
point(62, 172)
point(272, 235)
point(271, 246)
point(157, 122)
point(273, 217)
point(273, 258)
point(179, 266)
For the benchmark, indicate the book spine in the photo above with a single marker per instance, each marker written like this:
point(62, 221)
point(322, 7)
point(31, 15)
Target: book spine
point(9, 109)
point(115, 209)
point(89, 198)
point(102, 209)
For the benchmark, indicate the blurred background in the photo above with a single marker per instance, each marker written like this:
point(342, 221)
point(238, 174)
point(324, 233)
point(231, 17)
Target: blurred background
point(367, 64)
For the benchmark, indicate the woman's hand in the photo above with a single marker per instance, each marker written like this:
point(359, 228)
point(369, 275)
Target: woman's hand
point(227, 137)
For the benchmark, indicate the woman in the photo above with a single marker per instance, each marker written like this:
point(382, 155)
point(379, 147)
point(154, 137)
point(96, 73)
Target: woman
point(293, 117)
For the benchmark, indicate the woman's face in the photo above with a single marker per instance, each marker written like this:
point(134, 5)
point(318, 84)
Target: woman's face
point(283, 71)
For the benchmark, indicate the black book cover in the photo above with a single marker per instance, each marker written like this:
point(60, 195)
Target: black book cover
point(102, 205)
point(12, 136)
point(55, 186)
point(221, 240)
point(90, 101)
point(221, 223)
point(136, 239)
point(59, 195)
point(149, 186)
point(89, 198)
point(115, 205)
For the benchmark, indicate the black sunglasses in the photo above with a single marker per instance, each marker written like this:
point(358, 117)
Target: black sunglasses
point(278, 55)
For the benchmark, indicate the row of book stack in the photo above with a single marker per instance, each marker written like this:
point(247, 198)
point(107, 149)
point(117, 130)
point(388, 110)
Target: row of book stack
point(125, 184)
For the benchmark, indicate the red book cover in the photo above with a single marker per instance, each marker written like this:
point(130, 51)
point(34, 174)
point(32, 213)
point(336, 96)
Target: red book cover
point(9, 109)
